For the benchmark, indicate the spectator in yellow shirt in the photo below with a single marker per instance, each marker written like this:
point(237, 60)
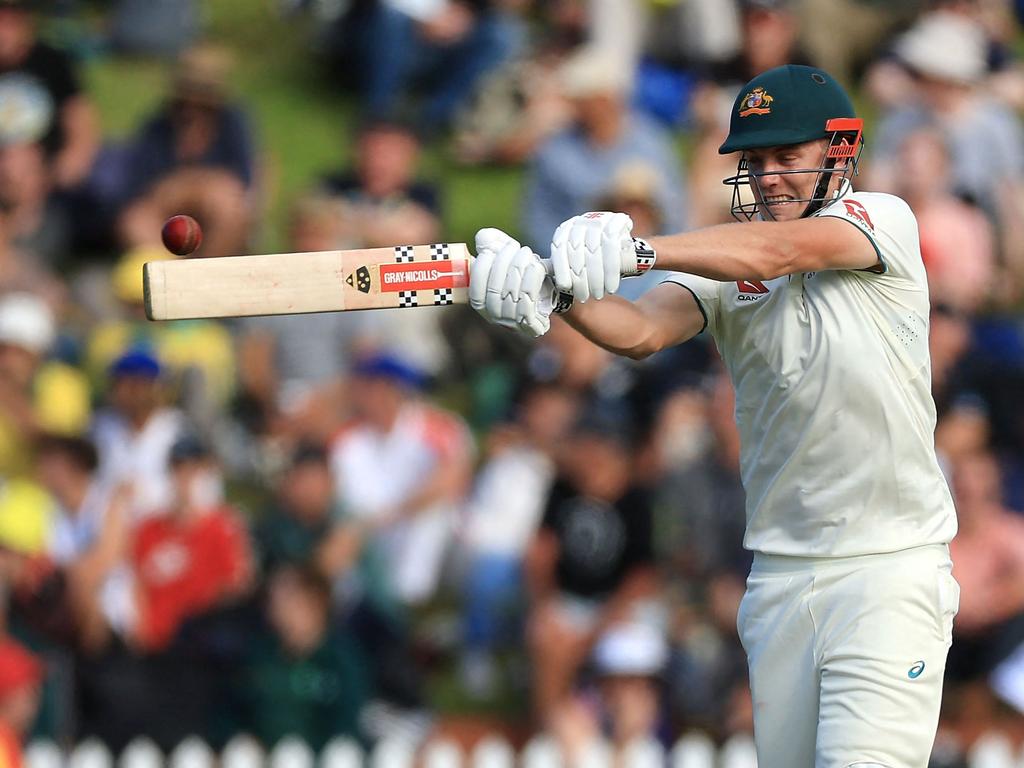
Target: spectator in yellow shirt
point(192, 351)
point(36, 396)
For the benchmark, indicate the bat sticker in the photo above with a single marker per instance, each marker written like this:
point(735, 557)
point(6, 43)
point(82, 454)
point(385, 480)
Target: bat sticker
point(361, 281)
point(422, 276)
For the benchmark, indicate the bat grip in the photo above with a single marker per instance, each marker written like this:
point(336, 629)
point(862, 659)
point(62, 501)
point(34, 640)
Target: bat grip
point(561, 301)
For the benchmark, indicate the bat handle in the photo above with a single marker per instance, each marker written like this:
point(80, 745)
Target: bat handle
point(561, 301)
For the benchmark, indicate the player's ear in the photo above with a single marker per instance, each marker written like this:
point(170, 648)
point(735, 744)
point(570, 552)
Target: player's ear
point(843, 161)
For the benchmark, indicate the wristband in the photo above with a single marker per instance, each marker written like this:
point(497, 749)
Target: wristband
point(645, 257)
point(563, 302)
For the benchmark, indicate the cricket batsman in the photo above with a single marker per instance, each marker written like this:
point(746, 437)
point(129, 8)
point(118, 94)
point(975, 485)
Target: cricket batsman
point(818, 303)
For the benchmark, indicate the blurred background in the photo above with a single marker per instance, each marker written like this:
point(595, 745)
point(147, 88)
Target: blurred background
point(399, 527)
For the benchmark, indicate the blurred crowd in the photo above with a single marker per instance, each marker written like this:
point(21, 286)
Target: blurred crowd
point(362, 525)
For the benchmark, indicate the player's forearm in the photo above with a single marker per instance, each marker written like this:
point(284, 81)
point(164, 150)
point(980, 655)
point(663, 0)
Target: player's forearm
point(753, 251)
point(618, 325)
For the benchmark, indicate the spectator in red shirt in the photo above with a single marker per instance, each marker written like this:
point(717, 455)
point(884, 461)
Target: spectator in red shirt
point(20, 676)
point(193, 558)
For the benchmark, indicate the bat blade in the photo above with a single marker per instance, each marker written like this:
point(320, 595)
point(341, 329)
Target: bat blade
point(295, 283)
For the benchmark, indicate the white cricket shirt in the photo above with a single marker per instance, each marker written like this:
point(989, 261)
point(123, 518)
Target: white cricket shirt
point(833, 396)
point(374, 472)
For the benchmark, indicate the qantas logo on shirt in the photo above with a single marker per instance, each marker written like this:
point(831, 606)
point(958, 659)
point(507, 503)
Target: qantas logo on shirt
point(751, 290)
point(859, 212)
point(751, 286)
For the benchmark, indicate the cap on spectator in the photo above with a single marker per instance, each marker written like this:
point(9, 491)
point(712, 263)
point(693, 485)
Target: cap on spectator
point(27, 322)
point(189, 447)
point(18, 667)
point(137, 361)
point(945, 46)
point(592, 72)
point(202, 75)
point(308, 453)
point(26, 109)
point(389, 367)
point(126, 277)
point(632, 648)
point(610, 421)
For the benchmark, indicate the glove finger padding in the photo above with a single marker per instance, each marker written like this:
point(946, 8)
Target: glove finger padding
point(500, 302)
point(560, 256)
point(479, 273)
point(537, 287)
point(509, 284)
point(492, 239)
point(578, 256)
point(617, 252)
point(591, 252)
point(592, 239)
point(569, 258)
point(533, 311)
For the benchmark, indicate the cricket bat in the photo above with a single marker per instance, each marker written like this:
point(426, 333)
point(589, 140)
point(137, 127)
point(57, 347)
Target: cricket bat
point(292, 283)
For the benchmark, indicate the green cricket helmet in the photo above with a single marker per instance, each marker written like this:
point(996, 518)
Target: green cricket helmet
point(792, 104)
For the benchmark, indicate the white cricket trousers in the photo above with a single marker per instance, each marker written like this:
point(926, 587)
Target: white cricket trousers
point(846, 656)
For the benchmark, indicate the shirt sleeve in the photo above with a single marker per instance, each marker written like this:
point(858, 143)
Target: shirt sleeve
point(705, 292)
point(891, 227)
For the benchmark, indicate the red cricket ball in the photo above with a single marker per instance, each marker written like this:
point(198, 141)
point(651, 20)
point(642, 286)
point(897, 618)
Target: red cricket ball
point(181, 234)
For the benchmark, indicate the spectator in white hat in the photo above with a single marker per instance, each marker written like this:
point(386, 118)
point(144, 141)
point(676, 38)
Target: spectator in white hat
point(36, 222)
point(630, 658)
point(945, 54)
point(36, 395)
point(573, 167)
point(626, 706)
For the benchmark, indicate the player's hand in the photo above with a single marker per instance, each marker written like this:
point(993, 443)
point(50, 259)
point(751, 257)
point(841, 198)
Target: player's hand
point(509, 285)
point(592, 252)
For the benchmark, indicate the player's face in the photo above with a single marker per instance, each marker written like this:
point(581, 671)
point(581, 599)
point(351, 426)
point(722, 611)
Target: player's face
point(781, 194)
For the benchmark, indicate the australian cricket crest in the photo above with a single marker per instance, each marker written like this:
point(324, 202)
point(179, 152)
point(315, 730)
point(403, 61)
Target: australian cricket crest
point(757, 102)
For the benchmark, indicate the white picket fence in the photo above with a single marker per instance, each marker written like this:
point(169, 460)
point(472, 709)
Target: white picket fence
point(691, 751)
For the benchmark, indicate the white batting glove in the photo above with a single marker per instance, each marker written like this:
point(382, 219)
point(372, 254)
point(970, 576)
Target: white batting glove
point(590, 253)
point(509, 285)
